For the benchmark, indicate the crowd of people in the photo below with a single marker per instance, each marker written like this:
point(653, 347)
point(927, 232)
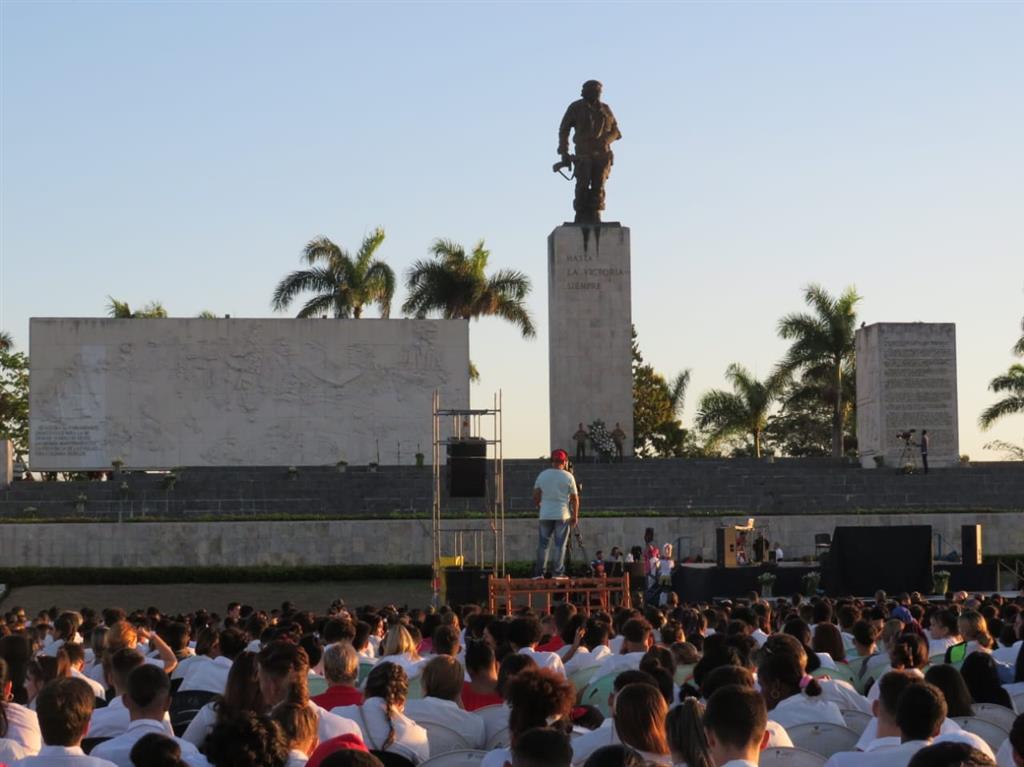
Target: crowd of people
point(701, 685)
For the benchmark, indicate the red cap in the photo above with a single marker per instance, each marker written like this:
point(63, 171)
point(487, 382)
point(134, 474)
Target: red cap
point(328, 747)
point(559, 456)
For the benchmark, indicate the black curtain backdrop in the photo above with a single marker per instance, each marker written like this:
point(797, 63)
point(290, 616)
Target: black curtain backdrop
point(865, 559)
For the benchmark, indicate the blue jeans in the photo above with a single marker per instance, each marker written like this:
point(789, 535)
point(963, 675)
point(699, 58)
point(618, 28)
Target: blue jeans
point(549, 528)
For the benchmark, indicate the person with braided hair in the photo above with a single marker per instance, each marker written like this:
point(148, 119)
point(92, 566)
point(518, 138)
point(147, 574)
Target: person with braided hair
point(382, 714)
point(283, 671)
point(537, 697)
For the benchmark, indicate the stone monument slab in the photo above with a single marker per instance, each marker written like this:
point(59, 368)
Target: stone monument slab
point(589, 331)
point(161, 393)
point(906, 379)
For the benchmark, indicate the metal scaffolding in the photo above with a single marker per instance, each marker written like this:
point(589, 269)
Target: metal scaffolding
point(483, 427)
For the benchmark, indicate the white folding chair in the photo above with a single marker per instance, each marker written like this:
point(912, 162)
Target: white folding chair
point(823, 738)
point(443, 738)
point(991, 733)
point(500, 739)
point(466, 758)
point(993, 712)
point(1018, 702)
point(790, 757)
point(495, 719)
point(856, 720)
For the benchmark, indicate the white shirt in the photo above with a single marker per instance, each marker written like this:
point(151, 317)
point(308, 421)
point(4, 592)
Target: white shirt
point(201, 725)
point(97, 689)
point(777, 736)
point(60, 756)
point(430, 710)
point(118, 750)
point(208, 675)
point(588, 743)
point(1004, 757)
point(113, 720)
point(972, 740)
point(331, 725)
point(23, 726)
point(186, 663)
point(803, 709)
point(1008, 655)
point(616, 664)
point(497, 758)
point(844, 695)
point(871, 732)
point(410, 738)
point(556, 487)
point(11, 750)
point(412, 668)
point(854, 758)
point(875, 691)
point(759, 636)
point(939, 646)
point(585, 658)
point(296, 758)
point(897, 756)
point(545, 659)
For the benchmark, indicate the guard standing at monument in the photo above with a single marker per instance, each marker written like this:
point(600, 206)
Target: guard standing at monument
point(594, 129)
point(619, 438)
point(924, 449)
point(581, 438)
point(556, 497)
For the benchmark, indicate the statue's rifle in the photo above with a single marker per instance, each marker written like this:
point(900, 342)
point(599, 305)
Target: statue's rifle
point(563, 165)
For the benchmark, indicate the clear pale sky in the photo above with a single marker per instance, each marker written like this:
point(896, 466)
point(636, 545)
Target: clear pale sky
point(186, 151)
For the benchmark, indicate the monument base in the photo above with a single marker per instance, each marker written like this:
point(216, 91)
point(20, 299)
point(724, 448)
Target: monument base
point(590, 331)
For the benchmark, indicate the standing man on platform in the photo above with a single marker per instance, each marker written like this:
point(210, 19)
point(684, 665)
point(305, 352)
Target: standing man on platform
point(924, 449)
point(556, 496)
point(581, 438)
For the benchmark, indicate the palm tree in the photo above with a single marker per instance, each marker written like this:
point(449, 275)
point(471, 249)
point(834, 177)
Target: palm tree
point(6, 341)
point(1012, 383)
point(823, 346)
point(342, 285)
point(1018, 348)
point(677, 392)
point(456, 286)
point(120, 310)
point(744, 410)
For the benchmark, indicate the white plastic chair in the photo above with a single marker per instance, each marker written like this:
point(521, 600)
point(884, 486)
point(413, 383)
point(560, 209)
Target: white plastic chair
point(500, 739)
point(790, 757)
point(991, 733)
point(993, 712)
point(443, 738)
point(823, 738)
point(495, 719)
point(856, 720)
point(1018, 702)
point(465, 758)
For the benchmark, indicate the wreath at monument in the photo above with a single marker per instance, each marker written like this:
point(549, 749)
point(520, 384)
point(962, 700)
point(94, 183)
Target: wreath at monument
point(601, 439)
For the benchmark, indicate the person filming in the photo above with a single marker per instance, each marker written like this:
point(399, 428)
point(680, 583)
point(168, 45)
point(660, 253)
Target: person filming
point(558, 500)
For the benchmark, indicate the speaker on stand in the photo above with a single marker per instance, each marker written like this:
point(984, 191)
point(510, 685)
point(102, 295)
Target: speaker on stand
point(467, 469)
point(970, 544)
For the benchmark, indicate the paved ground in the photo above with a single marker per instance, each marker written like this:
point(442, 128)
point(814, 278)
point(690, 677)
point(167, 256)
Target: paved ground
point(174, 598)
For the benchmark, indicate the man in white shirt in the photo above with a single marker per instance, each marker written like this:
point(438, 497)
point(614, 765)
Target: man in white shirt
point(211, 674)
point(637, 639)
point(76, 659)
point(943, 631)
point(891, 686)
point(113, 719)
point(442, 682)
point(558, 500)
point(148, 698)
point(735, 722)
point(64, 707)
point(920, 711)
point(523, 634)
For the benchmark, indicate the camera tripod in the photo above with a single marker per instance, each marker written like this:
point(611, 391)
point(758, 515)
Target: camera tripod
point(908, 457)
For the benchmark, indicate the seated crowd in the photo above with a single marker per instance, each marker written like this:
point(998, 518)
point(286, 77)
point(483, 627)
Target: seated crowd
point(893, 682)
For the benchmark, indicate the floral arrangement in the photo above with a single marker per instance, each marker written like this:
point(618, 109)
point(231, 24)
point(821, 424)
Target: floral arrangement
point(601, 439)
point(766, 579)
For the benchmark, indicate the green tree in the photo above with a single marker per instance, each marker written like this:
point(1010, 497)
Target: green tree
point(455, 285)
point(657, 405)
point(1010, 383)
point(1018, 348)
point(823, 345)
point(6, 341)
point(341, 285)
point(120, 310)
point(742, 412)
point(803, 425)
point(14, 400)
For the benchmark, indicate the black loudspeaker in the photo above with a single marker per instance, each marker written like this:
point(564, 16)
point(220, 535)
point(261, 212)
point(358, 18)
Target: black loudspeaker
point(467, 469)
point(970, 544)
point(467, 586)
point(865, 559)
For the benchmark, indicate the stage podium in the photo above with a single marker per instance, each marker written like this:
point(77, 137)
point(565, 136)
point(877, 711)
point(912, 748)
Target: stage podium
point(740, 545)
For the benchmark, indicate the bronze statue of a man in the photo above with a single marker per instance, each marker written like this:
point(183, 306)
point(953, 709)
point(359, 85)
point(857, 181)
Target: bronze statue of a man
point(594, 129)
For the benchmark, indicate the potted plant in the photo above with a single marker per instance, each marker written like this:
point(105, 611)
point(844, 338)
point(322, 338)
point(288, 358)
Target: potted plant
point(80, 500)
point(169, 481)
point(117, 464)
point(372, 466)
point(809, 583)
point(766, 580)
point(940, 582)
point(341, 465)
point(420, 460)
point(31, 512)
point(293, 472)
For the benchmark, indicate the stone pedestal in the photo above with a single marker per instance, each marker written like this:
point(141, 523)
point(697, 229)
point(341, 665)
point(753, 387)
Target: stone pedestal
point(589, 333)
point(906, 379)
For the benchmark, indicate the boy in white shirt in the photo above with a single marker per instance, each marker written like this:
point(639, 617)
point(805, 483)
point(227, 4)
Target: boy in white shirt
point(735, 722)
point(64, 707)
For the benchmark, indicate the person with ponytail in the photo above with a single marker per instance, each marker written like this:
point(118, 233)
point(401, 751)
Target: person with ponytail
point(399, 648)
point(283, 671)
point(791, 695)
point(907, 652)
point(639, 715)
point(241, 696)
point(382, 714)
point(43, 670)
point(537, 697)
point(684, 727)
point(838, 691)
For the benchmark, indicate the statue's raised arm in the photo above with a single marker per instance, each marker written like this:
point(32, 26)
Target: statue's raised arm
point(594, 129)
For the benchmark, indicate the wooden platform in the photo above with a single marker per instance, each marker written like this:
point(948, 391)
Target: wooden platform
point(508, 592)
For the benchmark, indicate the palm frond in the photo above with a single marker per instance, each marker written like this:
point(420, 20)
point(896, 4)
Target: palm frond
point(318, 306)
point(369, 246)
point(677, 391)
point(516, 313)
point(1012, 380)
point(322, 249)
point(318, 279)
point(6, 341)
point(119, 310)
point(1011, 405)
point(379, 283)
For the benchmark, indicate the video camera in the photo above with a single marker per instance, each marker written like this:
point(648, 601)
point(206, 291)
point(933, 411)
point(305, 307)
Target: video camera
point(906, 436)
